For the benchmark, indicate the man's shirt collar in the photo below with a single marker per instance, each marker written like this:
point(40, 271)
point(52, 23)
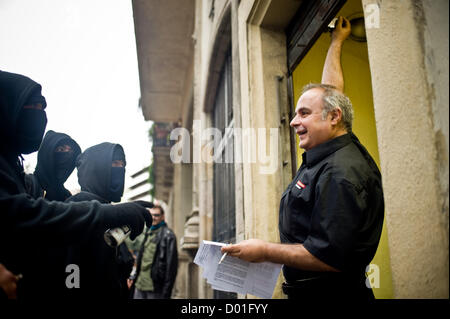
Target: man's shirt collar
point(318, 153)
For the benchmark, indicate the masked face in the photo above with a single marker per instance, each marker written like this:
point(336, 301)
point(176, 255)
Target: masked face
point(30, 128)
point(64, 162)
point(117, 180)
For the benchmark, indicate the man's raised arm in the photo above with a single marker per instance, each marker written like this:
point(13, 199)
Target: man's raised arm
point(332, 69)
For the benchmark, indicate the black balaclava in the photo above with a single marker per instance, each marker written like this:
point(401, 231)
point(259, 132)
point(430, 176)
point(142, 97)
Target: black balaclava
point(65, 161)
point(97, 176)
point(117, 176)
point(31, 125)
point(21, 129)
point(53, 168)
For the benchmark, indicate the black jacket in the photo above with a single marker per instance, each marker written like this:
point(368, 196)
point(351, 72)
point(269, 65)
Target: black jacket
point(26, 222)
point(165, 262)
point(103, 270)
point(45, 174)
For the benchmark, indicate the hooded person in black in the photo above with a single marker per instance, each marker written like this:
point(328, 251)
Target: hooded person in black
point(103, 270)
point(56, 161)
point(100, 174)
point(27, 222)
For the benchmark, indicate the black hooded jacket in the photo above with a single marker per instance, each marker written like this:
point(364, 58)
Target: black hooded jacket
point(104, 270)
point(15, 91)
point(95, 173)
point(26, 222)
point(48, 176)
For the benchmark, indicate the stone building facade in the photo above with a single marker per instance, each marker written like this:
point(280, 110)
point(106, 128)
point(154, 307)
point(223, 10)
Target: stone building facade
point(237, 68)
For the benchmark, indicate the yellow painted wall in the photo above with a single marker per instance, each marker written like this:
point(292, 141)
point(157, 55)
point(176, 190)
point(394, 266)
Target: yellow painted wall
point(358, 88)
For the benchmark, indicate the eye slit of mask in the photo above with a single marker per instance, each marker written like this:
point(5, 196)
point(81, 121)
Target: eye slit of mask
point(117, 163)
point(35, 106)
point(63, 148)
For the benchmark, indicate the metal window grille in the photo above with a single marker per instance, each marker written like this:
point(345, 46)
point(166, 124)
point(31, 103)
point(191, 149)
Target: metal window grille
point(224, 189)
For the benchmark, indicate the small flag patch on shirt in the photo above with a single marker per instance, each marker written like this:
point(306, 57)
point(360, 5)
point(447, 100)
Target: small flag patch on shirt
point(300, 185)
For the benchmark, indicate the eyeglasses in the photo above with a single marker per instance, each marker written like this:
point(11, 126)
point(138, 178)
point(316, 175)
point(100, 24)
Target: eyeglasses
point(156, 215)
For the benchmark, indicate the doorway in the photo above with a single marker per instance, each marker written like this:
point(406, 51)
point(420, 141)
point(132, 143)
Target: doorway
point(305, 66)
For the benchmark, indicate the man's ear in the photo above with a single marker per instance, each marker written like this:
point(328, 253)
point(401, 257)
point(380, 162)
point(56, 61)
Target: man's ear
point(336, 116)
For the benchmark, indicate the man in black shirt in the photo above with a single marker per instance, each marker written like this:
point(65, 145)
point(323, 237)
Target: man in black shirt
point(331, 215)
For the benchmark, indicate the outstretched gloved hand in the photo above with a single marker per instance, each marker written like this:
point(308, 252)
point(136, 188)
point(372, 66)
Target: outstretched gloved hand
point(144, 203)
point(132, 214)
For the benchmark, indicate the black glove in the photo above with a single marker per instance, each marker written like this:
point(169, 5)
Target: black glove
point(131, 214)
point(144, 203)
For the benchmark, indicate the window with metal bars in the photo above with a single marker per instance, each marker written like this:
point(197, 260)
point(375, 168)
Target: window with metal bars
point(224, 190)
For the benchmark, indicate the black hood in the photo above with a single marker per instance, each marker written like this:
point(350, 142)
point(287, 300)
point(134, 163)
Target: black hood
point(15, 91)
point(47, 168)
point(94, 170)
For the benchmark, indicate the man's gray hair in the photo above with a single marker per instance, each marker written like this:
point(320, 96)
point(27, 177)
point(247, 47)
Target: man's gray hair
point(333, 99)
